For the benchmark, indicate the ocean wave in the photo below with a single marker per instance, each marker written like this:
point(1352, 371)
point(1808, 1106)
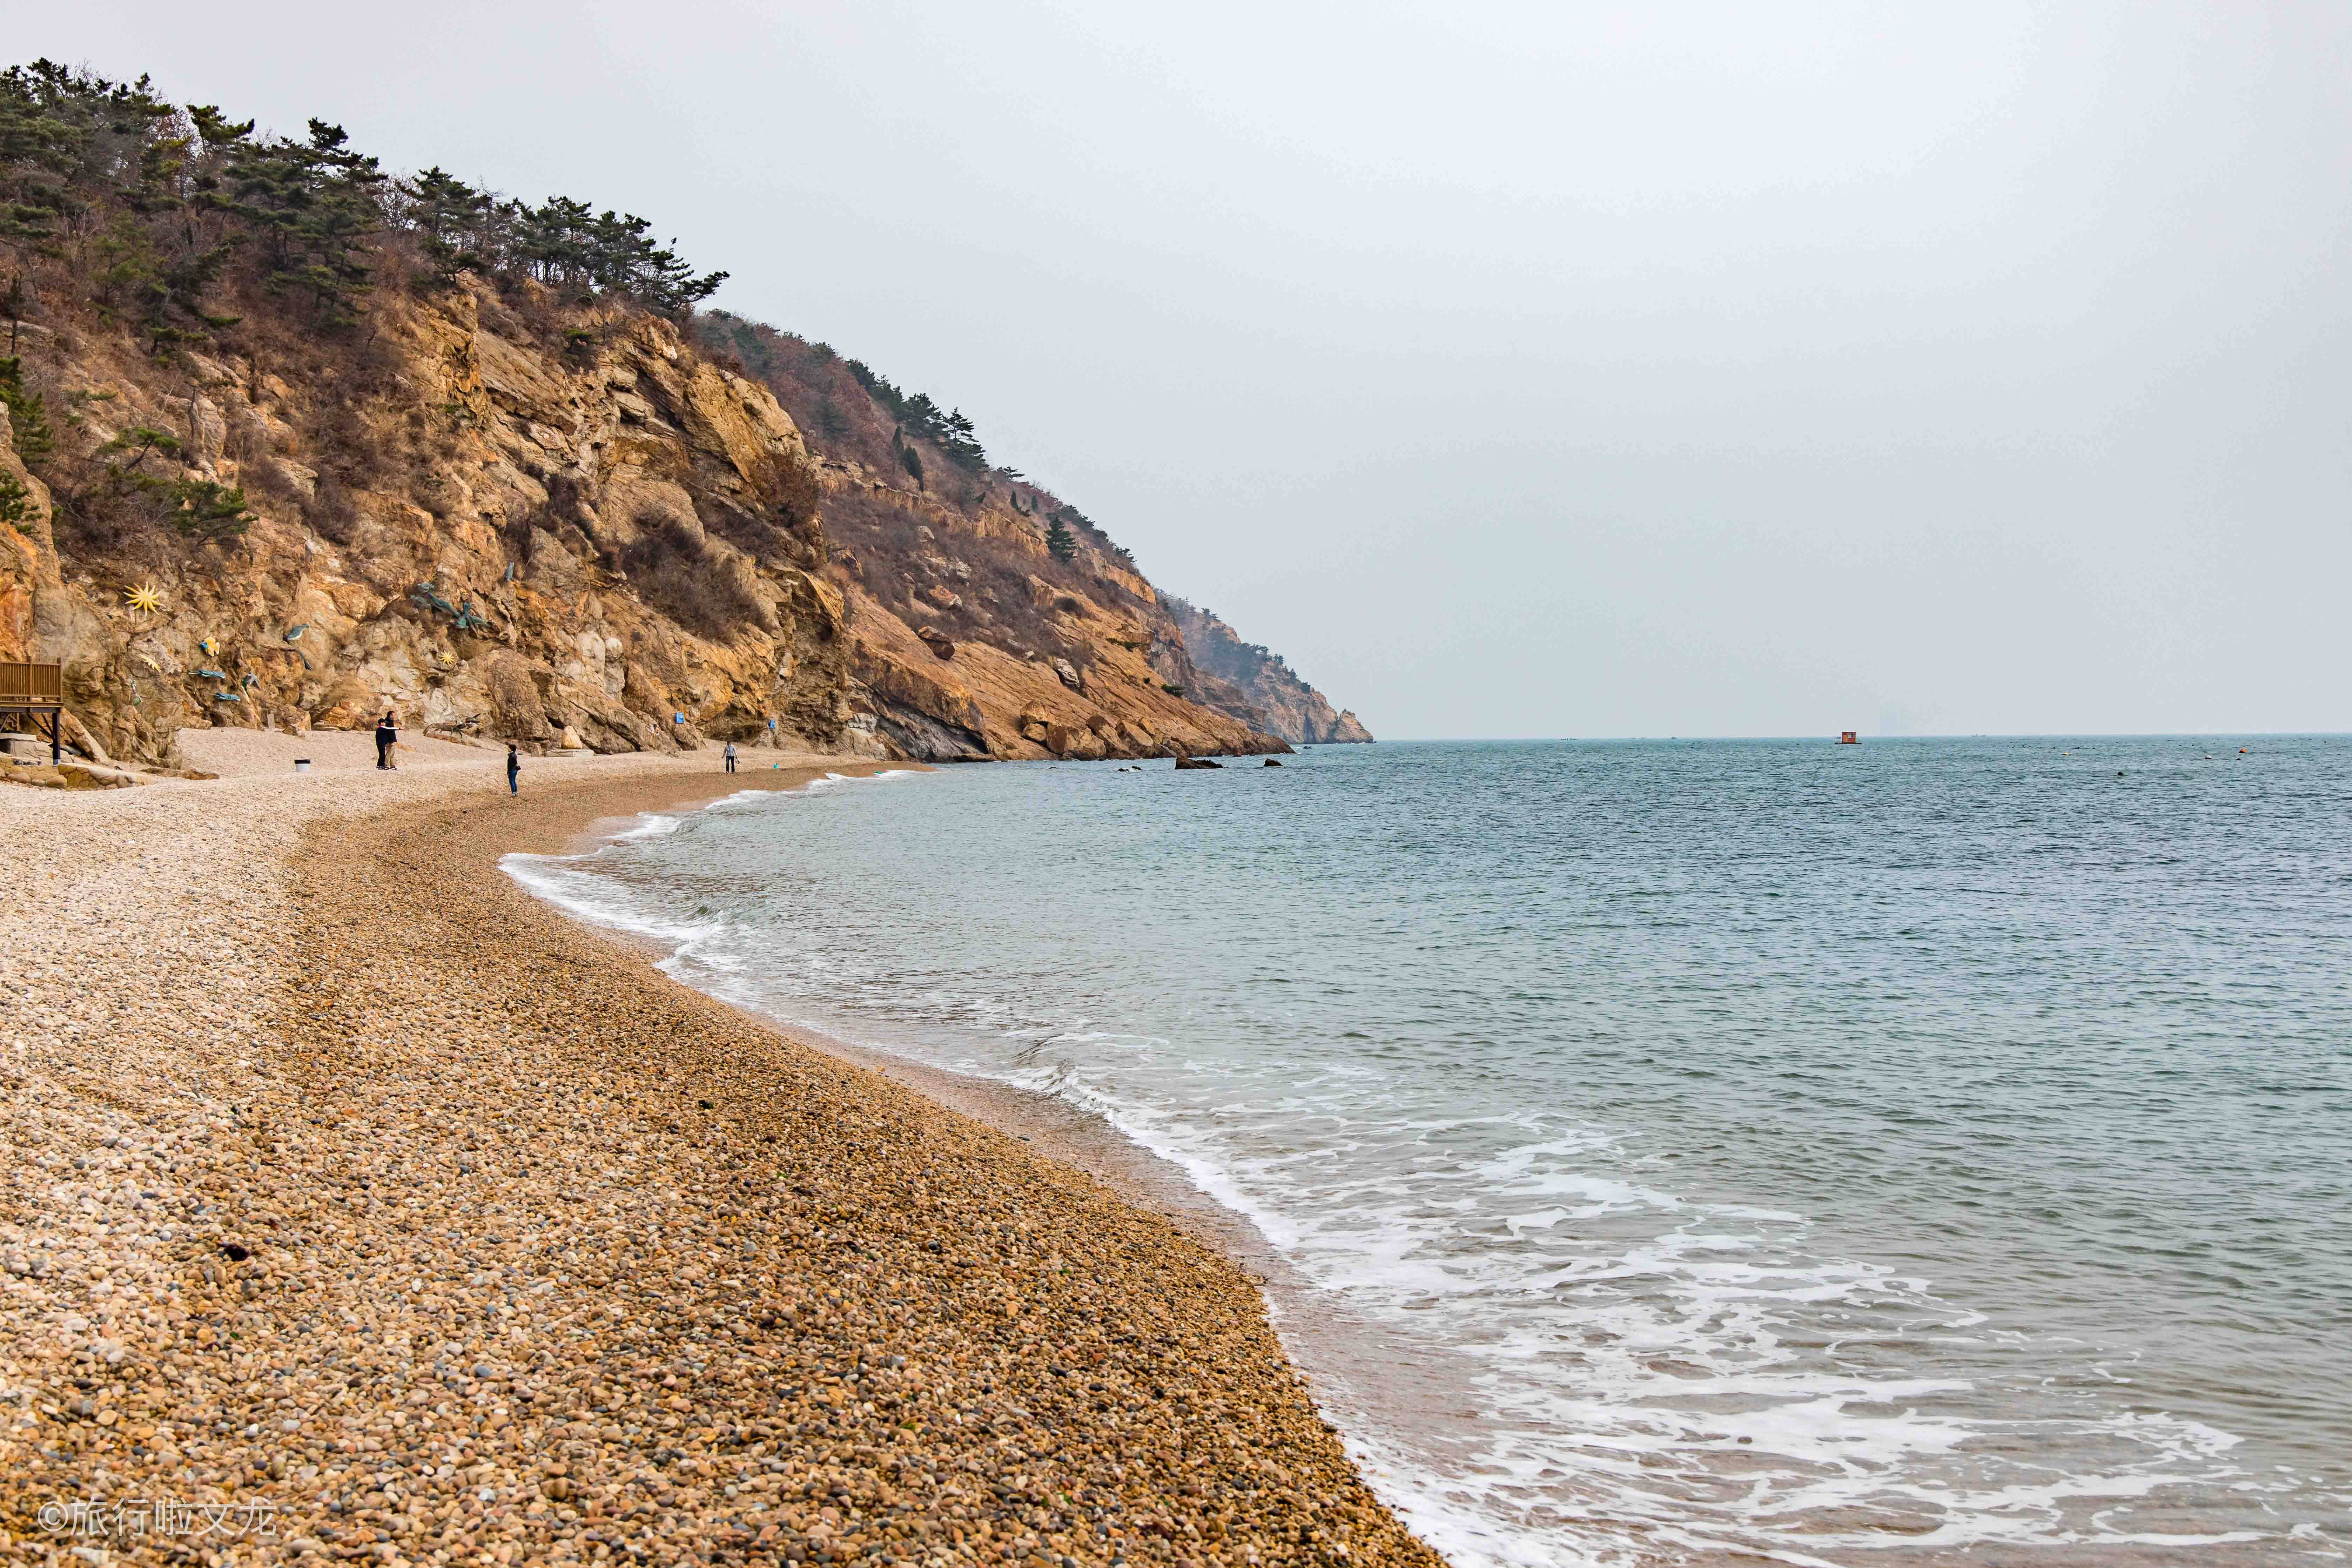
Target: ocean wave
point(1610, 1359)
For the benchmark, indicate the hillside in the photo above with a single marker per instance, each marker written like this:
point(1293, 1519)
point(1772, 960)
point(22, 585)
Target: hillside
point(945, 549)
point(1266, 691)
point(291, 441)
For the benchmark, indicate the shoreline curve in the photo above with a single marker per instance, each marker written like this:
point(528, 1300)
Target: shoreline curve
point(450, 1231)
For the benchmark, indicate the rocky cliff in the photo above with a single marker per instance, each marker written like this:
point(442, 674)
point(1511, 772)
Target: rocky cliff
point(1264, 691)
point(491, 538)
point(972, 582)
point(289, 444)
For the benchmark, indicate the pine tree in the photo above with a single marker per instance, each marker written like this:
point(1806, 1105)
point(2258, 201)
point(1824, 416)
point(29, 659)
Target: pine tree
point(316, 204)
point(1060, 542)
point(16, 507)
point(200, 510)
point(162, 193)
point(29, 424)
point(215, 130)
point(208, 513)
point(447, 214)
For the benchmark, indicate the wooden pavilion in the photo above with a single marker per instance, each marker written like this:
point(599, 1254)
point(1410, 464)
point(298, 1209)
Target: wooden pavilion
point(33, 689)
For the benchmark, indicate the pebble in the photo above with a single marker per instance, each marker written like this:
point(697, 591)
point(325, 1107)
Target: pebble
point(336, 1175)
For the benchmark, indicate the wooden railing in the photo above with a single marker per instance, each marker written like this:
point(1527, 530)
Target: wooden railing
point(32, 685)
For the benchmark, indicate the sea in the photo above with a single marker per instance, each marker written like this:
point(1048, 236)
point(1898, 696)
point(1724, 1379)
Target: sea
point(1917, 1152)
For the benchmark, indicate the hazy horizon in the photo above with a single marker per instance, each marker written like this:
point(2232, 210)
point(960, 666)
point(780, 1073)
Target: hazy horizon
point(1866, 736)
point(1522, 374)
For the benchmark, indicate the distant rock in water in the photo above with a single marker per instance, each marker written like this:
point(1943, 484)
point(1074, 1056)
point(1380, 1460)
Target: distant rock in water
point(1272, 764)
point(1203, 763)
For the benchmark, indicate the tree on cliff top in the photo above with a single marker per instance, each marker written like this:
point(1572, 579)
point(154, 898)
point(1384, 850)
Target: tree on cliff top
point(315, 205)
point(951, 430)
point(561, 242)
point(152, 203)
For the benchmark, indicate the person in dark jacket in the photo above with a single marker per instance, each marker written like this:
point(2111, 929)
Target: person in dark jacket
point(387, 735)
point(514, 768)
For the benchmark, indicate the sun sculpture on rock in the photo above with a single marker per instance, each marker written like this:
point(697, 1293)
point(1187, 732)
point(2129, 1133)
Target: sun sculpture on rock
point(144, 598)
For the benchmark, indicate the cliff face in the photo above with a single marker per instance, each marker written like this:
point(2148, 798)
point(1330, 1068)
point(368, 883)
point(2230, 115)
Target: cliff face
point(1246, 678)
point(971, 640)
point(973, 586)
point(289, 444)
point(494, 539)
point(28, 555)
point(582, 522)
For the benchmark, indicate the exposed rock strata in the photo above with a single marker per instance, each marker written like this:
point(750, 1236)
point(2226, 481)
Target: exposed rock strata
point(988, 702)
point(476, 582)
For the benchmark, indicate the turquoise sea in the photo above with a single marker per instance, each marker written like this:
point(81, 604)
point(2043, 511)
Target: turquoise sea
point(1917, 1152)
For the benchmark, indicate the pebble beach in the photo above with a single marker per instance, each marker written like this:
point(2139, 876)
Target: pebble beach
point(369, 1209)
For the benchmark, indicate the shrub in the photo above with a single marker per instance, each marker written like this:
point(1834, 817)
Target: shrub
point(200, 510)
point(207, 512)
point(675, 569)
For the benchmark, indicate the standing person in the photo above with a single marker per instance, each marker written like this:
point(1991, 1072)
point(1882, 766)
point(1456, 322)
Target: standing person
point(514, 769)
point(730, 756)
point(387, 735)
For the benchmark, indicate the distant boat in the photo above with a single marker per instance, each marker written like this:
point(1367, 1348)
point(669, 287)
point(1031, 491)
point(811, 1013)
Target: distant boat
point(1849, 738)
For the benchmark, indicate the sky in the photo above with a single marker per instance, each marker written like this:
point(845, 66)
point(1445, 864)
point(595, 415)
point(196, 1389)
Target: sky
point(1518, 370)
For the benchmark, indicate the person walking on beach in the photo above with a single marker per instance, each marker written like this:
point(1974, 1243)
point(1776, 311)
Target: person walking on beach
point(387, 735)
point(729, 754)
point(514, 769)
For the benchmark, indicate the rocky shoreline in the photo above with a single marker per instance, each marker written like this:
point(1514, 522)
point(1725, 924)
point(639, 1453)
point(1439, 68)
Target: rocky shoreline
point(347, 1186)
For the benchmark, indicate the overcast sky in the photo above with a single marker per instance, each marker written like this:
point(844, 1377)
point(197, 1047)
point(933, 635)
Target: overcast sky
point(1519, 369)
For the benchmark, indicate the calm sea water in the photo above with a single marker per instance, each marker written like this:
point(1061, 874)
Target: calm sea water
point(1922, 1151)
